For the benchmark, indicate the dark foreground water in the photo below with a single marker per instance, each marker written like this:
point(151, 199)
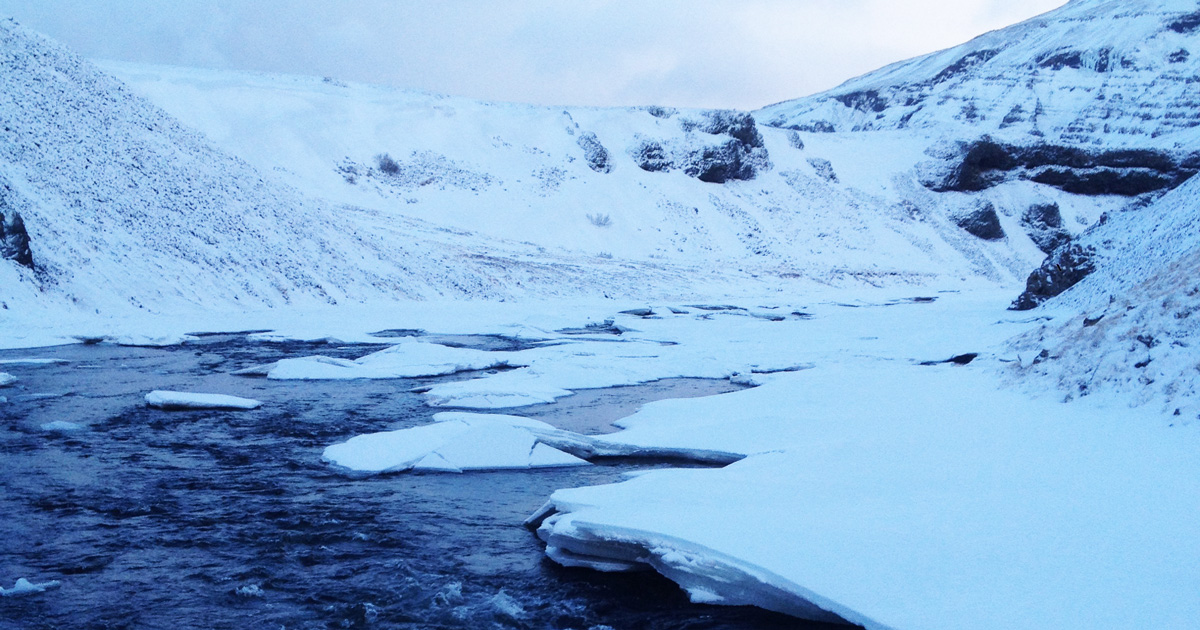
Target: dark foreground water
point(208, 519)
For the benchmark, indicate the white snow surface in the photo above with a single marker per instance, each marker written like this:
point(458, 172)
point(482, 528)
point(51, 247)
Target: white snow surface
point(457, 442)
point(844, 210)
point(130, 212)
point(189, 400)
point(898, 495)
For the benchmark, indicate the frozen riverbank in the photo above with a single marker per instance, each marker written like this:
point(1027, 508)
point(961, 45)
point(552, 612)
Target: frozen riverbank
point(878, 483)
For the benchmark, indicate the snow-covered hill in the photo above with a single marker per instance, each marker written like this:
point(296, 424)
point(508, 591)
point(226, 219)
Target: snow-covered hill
point(1137, 321)
point(111, 205)
point(712, 188)
point(1110, 73)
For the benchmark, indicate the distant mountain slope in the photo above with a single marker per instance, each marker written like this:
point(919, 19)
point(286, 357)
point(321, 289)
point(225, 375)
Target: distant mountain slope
point(707, 188)
point(109, 203)
point(1113, 72)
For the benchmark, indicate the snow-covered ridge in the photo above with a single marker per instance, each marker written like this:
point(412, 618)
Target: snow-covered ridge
point(1117, 73)
point(123, 208)
point(710, 188)
point(1135, 328)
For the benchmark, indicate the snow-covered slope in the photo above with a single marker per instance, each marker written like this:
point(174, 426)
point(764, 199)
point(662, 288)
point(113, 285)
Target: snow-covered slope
point(709, 188)
point(1137, 325)
point(110, 204)
point(1110, 72)
point(969, 163)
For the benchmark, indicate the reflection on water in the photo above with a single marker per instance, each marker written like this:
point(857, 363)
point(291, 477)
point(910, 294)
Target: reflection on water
point(203, 519)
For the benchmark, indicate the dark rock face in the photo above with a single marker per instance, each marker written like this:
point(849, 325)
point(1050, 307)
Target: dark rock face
point(594, 152)
point(1043, 223)
point(1126, 172)
point(817, 126)
point(737, 154)
point(1060, 271)
point(721, 163)
point(983, 222)
point(14, 240)
point(868, 101)
point(661, 112)
point(964, 64)
point(1101, 61)
point(823, 168)
point(387, 164)
point(651, 156)
point(1186, 24)
point(795, 140)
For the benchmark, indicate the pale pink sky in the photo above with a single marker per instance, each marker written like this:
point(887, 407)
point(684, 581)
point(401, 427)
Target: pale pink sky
point(700, 53)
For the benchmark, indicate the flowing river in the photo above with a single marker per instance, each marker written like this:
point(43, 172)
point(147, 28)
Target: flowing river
point(214, 519)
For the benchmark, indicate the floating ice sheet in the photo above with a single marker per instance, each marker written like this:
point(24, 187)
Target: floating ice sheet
point(410, 358)
point(32, 361)
point(25, 587)
point(188, 400)
point(457, 443)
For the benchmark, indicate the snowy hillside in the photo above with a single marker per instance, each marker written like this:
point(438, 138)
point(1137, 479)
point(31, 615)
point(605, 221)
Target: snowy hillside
point(110, 204)
point(1094, 99)
point(1137, 326)
point(703, 187)
point(1103, 72)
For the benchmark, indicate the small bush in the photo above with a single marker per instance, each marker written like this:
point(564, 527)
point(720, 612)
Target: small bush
point(386, 164)
point(600, 220)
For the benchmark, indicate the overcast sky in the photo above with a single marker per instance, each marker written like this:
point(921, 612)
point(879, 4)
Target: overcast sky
point(700, 53)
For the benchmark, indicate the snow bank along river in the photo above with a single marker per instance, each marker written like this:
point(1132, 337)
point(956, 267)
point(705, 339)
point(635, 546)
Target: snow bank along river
point(229, 519)
point(876, 479)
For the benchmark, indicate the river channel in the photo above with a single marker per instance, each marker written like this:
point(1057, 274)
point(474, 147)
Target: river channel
point(229, 520)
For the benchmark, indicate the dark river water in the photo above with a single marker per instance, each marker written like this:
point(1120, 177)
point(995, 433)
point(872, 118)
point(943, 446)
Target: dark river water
point(216, 519)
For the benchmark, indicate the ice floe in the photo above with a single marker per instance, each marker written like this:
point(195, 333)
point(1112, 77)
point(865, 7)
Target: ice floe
point(410, 358)
point(455, 443)
point(460, 441)
point(32, 362)
point(188, 400)
point(62, 426)
point(25, 587)
point(7, 379)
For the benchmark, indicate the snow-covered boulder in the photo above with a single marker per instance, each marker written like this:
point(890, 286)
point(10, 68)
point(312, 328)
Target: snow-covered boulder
point(170, 400)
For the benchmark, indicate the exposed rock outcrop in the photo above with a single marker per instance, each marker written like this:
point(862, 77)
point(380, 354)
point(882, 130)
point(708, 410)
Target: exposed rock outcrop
point(719, 146)
point(1043, 222)
point(14, 240)
point(594, 152)
point(1127, 172)
point(1060, 271)
point(981, 222)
